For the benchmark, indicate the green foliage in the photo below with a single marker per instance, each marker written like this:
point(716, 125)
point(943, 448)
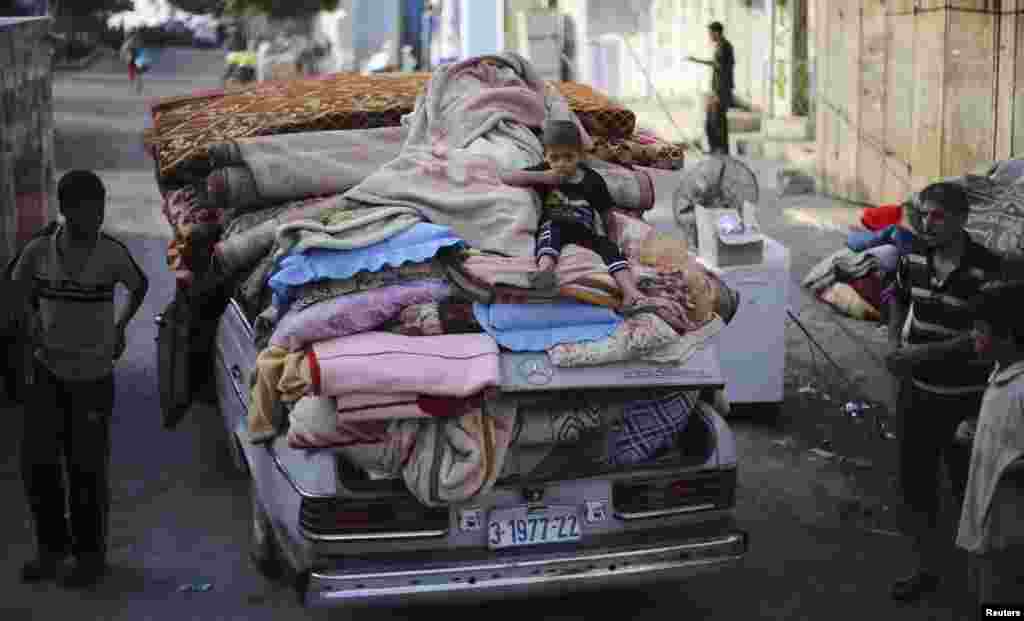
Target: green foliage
point(281, 8)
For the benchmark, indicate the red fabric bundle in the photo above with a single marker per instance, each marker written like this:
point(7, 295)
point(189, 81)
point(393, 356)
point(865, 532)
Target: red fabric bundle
point(877, 218)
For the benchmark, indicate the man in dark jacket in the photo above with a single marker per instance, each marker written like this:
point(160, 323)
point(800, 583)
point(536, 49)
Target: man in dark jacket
point(716, 124)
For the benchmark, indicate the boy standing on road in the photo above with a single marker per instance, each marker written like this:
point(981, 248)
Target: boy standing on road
point(68, 278)
point(933, 353)
point(988, 522)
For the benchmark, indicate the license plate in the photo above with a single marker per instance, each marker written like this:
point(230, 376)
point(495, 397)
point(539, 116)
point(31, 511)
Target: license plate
point(522, 526)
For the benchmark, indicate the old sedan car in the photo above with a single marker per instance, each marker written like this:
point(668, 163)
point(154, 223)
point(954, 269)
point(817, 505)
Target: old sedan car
point(343, 537)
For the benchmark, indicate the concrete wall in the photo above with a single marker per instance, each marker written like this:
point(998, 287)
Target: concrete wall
point(912, 90)
point(27, 192)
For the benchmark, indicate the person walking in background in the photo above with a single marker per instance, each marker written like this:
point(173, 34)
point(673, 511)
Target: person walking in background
point(716, 123)
point(67, 279)
point(131, 51)
point(943, 379)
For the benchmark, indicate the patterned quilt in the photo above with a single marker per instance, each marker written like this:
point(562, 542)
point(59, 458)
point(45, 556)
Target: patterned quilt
point(184, 127)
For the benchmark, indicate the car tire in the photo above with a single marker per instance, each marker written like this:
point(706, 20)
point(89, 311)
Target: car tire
point(264, 551)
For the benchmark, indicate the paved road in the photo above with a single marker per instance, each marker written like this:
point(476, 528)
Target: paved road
point(180, 514)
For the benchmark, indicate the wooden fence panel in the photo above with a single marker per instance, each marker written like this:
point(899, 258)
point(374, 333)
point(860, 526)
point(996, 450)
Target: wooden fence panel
point(970, 91)
point(929, 75)
point(871, 146)
point(1006, 74)
point(899, 103)
point(845, 31)
point(1017, 105)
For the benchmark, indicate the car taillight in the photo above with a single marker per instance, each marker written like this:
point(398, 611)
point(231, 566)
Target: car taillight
point(335, 516)
point(352, 518)
point(695, 492)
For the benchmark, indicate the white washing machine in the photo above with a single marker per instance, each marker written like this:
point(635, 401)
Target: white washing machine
point(752, 347)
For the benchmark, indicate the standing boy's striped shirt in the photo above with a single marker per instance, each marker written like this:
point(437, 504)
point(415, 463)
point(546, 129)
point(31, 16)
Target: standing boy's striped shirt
point(939, 311)
point(77, 335)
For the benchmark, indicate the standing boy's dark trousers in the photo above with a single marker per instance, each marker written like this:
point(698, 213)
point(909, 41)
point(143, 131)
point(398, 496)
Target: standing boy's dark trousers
point(716, 125)
point(69, 420)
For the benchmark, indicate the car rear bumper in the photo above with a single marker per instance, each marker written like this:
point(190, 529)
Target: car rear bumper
point(506, 578)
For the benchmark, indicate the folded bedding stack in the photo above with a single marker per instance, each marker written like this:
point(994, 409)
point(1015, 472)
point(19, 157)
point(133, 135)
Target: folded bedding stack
point(856, 279)
point(382, 296)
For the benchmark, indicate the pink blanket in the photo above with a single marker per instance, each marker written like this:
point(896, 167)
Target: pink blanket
point(367, 406)
point(353, 313)
point(474, 119)
point(451, 365)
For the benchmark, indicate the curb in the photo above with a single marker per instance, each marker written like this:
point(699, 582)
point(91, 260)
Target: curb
point(78, 65)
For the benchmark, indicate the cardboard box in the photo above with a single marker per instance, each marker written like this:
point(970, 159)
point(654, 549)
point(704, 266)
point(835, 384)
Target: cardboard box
point(722, 248)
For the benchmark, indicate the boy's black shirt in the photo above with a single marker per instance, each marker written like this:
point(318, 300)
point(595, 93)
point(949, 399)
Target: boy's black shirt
point(576, 203)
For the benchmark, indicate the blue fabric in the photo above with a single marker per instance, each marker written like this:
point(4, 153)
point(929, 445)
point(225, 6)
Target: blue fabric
point(418, 243)
point(648, 428)
point(859, 241)
point(144, 58)
point(888, 257)
point(538, 327)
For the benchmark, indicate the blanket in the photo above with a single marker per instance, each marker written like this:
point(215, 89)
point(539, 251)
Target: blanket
point(536, 327)
point(314, 424)
point(321, 290)
point(454, 365)
point(367, 406)
point(273, 169)
point(245, 249)
point(473, 120)
point(640, 150)
point(273, 382)
point(478, 276)
point(842, 266)
point(685, 293)
point(416, 244)
point(354, 313)
point(186, 126)
point(446, 317)
point(375, 226)
point(565, 419)
point(319, 423)
point(443, 461)
point(629, 189)
point(649, 427)
point(644, 337)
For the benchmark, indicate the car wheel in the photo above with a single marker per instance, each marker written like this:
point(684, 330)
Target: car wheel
point(263, 547)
